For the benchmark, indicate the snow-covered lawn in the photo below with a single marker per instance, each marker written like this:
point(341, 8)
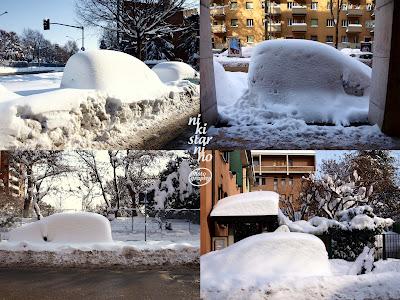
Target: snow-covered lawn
point(10, 70)
point(85, 239)
point(291, 266)
point(297, 94)
point(104, 100)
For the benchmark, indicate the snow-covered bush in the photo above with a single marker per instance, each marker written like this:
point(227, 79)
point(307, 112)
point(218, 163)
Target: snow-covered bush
point(10, 208)
point(355, 229)
point(112, 71)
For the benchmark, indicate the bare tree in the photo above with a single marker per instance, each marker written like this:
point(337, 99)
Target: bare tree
point(335, 8)
point(39, 169)
point(138, 22)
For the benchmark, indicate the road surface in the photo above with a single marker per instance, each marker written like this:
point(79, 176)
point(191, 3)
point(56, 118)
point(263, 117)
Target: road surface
point(72, 284)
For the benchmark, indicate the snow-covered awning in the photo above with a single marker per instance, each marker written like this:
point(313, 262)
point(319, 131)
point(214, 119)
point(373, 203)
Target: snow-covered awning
point(262, 203)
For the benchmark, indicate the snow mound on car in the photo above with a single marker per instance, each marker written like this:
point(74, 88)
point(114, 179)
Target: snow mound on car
point(264, 258)
point(66, 228)
point(304, 80)
point(174, 71)
point(112, 71)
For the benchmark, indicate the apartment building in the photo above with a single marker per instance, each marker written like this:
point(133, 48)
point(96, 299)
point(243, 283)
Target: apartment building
point(282, 172)
point(253, 21)
point(232, 174)
point(10, 179)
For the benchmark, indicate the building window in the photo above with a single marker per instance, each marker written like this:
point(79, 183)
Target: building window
point(345, 23)
point(344, 6)
point(329, 38)
point(283, 197)
point(314, 22)
point(249, 5)
point(314, 5)
point(290, 162)
point(289, 22)
point(355, 22)
point(250, 39)
point(283, 183)
point(263, 180)
point(289, 5)
point(233, 5)
point(369, 6)
point(290, 181)
point(250, 22)
point(344, 39)
point(314, 38)
point(275, 184)
point(369, 24)
point(225, 156)
point(328, 5)
point(367, 39)
point(256, 160)
point(291, 197)
point(330, 23)
point(234, 22)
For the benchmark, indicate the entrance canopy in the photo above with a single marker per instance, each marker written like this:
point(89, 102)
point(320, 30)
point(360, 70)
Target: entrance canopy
point(263, 203)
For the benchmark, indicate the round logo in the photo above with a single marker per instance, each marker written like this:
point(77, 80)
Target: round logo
point(200, 176)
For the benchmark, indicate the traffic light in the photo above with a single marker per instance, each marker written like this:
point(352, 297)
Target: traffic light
point(46, 24)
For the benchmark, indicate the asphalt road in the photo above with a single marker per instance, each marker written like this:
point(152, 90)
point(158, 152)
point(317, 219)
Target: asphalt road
point(72, 284)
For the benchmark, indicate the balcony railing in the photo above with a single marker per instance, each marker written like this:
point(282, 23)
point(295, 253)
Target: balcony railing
point(299, 27)
point(274, 9)
point(354, 28)
point(299, 10)
point(218, 28)
point(217, 11)
point(284, 169)
point(275, 27)
point(354, 12)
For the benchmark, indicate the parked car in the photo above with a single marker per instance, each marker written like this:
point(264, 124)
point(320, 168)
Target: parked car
point(364, 57)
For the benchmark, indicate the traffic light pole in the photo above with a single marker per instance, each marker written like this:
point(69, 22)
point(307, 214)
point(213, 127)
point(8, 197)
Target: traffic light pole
point(73, 26)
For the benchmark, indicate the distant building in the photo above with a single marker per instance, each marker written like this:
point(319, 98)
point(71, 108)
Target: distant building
point(281, 171)
point(254, 21)
point(10, 177)
point(232, 174)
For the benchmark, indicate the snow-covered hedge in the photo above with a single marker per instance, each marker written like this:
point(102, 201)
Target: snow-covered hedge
point(347, 237)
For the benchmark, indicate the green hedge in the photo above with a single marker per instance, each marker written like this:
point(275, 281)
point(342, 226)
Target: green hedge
point(396, 227)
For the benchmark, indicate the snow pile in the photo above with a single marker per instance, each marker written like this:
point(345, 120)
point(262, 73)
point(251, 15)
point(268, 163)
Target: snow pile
point(65, 228)
point(264, 258)
point(227, 88)
point(295, 78)
point(115, 72)
point(261, 203)
point(174, 70)
point(5, 94)
point(364, 262)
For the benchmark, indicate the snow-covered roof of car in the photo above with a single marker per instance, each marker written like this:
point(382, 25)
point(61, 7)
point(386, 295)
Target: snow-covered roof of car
point(262, 203)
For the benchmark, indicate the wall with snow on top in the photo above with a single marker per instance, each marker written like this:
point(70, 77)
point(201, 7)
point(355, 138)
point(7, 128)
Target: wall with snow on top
point(65, 228)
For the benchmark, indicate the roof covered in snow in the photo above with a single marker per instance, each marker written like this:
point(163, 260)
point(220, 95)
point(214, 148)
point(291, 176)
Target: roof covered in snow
point(262, 203)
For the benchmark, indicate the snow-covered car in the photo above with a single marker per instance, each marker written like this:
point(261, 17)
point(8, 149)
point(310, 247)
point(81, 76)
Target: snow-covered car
point(364, 57)
point(264, 258)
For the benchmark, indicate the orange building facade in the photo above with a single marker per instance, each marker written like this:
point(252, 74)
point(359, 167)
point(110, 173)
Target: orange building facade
point(253, 21)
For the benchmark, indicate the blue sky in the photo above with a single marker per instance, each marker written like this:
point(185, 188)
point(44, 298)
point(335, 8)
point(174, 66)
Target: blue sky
point(30, 14)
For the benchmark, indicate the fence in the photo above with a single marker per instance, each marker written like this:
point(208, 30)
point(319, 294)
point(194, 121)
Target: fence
point(386, 245)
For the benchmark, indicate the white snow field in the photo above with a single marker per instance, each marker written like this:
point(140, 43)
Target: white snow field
point(86, 239)
point(174, 70)
point(104, 100)
point(298, 94)
point(257, 274)
point(262, 258)
point(264, 203)
point(11, 70)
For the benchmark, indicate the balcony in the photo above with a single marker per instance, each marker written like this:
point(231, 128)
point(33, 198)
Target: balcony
point(299, 27)
point(274, 10)
point(354, 28)
point(284, 169)
point(275, 27)
point(218, 28)
point(354, 12)
point(217, 11)
point(299, 10)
